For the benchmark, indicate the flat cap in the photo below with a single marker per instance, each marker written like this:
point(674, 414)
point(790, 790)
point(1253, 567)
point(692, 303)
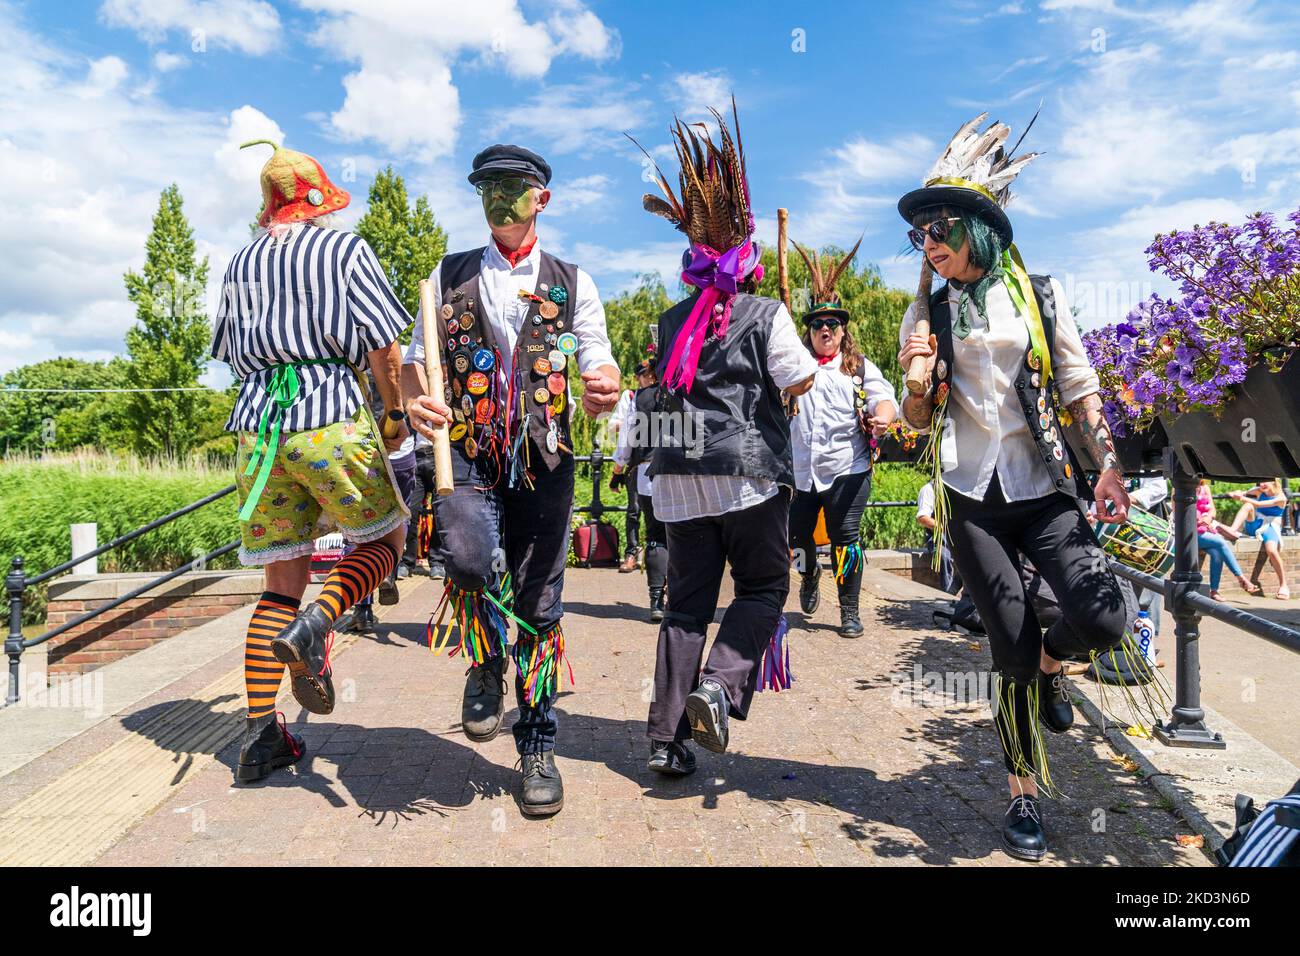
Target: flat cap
point(505, 159)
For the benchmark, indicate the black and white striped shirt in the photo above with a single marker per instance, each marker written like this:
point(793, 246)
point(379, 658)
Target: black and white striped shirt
point(314, 294)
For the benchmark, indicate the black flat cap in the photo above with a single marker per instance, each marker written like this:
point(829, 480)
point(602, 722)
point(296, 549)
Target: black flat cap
point(503, 159)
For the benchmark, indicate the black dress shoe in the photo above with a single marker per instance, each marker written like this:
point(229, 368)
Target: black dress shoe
point(363, 620)
point(809, 595)
point(1054, 705)
point(304, 647)
point(706, 710)
point(671, 759)
point(656, 604)
point(543, 788)
point(268, 746)
point(1022, 830)
point(850, 625)
point(388, 590)
point(484, 704)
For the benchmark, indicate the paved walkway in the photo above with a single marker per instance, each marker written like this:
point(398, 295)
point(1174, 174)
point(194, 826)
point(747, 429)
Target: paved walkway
point(850, 767)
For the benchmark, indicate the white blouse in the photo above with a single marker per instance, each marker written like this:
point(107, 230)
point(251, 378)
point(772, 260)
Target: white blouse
point(825, 437)
point(986, 426)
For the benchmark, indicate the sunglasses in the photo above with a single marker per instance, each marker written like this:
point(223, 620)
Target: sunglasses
point(818, 324)
point(510, 186)
point(939, 231)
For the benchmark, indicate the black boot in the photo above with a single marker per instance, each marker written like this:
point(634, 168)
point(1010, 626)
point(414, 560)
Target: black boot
point(484, 703)
point(706, 710)
point(268, 746)
point(1053, 702)
point(850, 625)
point(850, 590)
point(304, 647)
point(388, 590)
point(809, 595)
point(671, 759)
point(543, 788)
point(363, 620)
point(656, 604)
point(1022, 830)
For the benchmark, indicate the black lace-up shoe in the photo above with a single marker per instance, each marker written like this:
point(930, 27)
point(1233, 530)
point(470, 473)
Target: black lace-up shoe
point(706, 709)
point(484, 704)
point(656, 604)
point(543, 788)
point(388, 590)
point(671, 759)
point(1022, 830)
point(809, 595)
point(305, 647)
point(268, 746)
point(850, 624)
point(1054, 705)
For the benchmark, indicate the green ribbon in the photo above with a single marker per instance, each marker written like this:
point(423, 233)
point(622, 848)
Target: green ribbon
point(1016, 279)
point(283, 389)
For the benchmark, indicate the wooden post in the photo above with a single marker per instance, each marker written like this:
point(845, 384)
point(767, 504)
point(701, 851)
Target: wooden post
point(782, 262)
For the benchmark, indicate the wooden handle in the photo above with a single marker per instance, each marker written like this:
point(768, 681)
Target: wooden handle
point(433, 373)
point(782, 261)
point(917, 380)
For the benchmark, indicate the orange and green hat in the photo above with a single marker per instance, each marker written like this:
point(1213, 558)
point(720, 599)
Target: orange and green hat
point(295, 187)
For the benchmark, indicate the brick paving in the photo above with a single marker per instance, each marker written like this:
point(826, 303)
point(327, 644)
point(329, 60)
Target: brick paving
point(845, 769)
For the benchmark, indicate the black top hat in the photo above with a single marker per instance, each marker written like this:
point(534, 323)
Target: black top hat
point(970, 197)
point(510, 160)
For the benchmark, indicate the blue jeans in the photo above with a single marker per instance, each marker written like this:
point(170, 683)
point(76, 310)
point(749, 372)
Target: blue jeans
point(1220, 553)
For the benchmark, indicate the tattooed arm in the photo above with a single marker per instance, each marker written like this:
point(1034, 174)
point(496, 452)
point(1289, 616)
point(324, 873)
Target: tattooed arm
point(1096, 439)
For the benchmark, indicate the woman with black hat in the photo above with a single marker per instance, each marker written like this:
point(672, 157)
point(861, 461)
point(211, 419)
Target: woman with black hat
point(850, 401)
point(1003, 372)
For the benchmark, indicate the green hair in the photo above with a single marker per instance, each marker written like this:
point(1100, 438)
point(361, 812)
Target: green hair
point(986, 250)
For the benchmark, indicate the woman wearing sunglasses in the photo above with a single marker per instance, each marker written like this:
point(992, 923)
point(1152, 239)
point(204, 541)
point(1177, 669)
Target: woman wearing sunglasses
point(850, 401)
point(1005, 373)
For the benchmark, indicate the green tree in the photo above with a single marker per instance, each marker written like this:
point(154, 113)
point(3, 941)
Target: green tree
point(407, 240)
point(169, 344)
point(58, 420)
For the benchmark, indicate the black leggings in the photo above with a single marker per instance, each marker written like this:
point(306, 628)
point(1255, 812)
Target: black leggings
point(656, 545)
point(844, 502)
point(988, 538)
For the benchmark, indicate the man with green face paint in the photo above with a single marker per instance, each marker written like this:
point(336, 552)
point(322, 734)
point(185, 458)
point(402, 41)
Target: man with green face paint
point(512, 319)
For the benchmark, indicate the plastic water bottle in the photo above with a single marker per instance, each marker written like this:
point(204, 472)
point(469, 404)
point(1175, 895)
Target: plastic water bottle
point(1144, 633)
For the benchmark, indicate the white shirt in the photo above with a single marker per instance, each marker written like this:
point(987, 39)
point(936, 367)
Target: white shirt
point(826, 439)
point(987, 428)
point(684, 497)
point(925, 501)
point(501, 305)
point(1150, 492)
point(623, 421)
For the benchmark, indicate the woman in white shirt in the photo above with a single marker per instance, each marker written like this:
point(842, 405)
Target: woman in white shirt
point(830, 437)
point(1004, 363)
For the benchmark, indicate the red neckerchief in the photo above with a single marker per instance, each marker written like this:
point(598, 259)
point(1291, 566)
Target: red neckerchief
point(518, 255)
point(827, 359)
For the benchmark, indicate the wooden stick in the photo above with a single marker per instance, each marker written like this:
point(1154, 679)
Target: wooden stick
point(782, 262)
point(433, 374)
point(916, 378)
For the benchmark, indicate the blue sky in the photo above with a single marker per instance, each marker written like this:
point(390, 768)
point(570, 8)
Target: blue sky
point(1155, 115)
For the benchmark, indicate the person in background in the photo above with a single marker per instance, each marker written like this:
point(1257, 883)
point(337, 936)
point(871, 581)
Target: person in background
point(949, 581)
point(631, 457)
point(1260, 516)
point(1212, 544)
point(424, 484)
point(632, 521)
point(1151, 494)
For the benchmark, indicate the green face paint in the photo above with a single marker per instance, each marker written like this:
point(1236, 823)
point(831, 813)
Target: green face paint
point(956, 236)
point(508, 209)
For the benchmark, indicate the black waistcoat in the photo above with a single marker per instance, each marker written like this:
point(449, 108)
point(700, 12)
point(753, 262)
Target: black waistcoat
point(646, 403)
point(737, 426)
point(529, 368)
point(1041, 405)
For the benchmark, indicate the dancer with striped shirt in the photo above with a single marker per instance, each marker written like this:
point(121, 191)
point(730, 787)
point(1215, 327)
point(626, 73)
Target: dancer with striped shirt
point(304, 308)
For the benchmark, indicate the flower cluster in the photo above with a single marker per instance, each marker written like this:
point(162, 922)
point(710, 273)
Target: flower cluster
point(1238, 302)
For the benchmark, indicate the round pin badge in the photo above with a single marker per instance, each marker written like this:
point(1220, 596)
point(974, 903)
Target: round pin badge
point(567, 343)
point(537, 320)
point(458, 431)
point(559, 323)
point(456, 388)
point(460, 361)
point(471, 448)
point(537, 333)
point(467, 405)
point(552, 441)
point(557, 404)
point(1044, 421)
point(557, 359)
point(548, 310)
point(857, 380)
point(542, 396)
point(1042, 403)
point(464, 340)
point(1034, 380)
point(477, 383)
point(483, 411)
point(543, 287)
point(542, 367)
point(1067, 469)
point(1057, 453)
point(556, 383)
point(447, 310)
point(483, 360)
point(452, 326)
point(1033, 360)
point(941, 369)
point(467, 320)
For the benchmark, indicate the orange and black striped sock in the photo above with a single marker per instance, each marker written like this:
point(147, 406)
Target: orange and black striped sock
point(262, 672)
point(355, 576)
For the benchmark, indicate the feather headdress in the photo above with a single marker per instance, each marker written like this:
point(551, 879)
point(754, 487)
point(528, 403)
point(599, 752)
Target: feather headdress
point(825, 272)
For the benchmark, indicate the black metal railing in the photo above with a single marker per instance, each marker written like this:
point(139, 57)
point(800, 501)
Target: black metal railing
point(17, 581)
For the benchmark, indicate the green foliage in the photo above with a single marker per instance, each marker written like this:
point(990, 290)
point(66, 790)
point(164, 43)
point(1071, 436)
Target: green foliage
point(31, 421)
point(169, 345)
point(893, 528)
point(408, 241)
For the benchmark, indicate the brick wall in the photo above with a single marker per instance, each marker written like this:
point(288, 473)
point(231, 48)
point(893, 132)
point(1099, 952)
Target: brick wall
point(182, 604)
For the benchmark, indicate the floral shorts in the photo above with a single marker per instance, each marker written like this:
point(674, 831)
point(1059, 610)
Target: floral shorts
point(323, 480)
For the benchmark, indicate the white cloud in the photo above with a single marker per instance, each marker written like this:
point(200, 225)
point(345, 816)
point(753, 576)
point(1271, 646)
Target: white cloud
point(250, 26)
point(850, 193)
point(165, 62)
point(694, 94)
point(572, 118)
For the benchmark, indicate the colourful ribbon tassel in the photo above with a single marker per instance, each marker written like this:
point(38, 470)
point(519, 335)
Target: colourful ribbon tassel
point(847, 560)
point(537, 660)
point(480, 621)
point(776, 673)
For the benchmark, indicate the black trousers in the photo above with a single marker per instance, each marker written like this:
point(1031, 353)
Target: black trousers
point(988, 538)
point(656, 544)
point(524, 532)
point(753, 541)
point(632, 523)
point(844, 501)
point(424, 482)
